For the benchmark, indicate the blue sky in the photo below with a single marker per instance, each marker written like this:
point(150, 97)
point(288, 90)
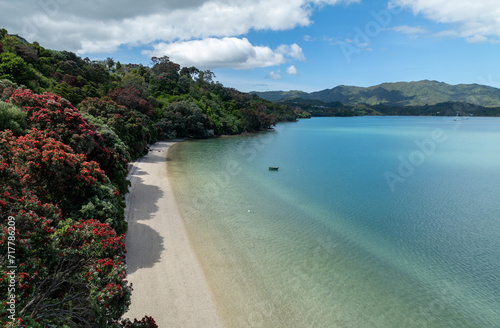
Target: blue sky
point(278, 44)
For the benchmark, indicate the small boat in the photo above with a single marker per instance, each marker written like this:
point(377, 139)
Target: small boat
point(273, 168)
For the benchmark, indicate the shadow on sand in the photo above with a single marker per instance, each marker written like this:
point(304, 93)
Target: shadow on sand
point(144, 244)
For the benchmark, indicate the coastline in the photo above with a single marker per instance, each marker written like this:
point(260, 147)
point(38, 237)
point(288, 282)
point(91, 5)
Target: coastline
point(168, 281)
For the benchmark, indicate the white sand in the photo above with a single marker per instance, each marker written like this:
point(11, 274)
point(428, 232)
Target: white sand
point(168, 281)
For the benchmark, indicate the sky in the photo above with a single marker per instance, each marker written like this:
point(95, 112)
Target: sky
point(269, 45)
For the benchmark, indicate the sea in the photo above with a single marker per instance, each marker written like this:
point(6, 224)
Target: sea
point(368, 222)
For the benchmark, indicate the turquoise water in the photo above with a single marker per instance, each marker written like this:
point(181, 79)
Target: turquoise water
point(369, 222)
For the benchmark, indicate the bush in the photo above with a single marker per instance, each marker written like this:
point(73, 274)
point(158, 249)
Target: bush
point(12, 118)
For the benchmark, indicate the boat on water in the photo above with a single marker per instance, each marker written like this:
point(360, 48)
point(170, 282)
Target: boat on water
point(273, 168)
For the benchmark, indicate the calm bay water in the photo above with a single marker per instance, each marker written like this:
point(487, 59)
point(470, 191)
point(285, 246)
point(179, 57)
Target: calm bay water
point(369, 222)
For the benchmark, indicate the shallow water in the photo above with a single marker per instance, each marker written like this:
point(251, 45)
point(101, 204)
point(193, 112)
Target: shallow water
point(369, 222)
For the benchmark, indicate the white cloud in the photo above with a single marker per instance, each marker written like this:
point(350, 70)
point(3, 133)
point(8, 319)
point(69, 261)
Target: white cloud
point(226, 52)
point(478, 20)
point(103, 25)
point(477, 39)
point(293, 51)
point(413, 32)
point(292, 70)
point(408, 30)
point(275, 75)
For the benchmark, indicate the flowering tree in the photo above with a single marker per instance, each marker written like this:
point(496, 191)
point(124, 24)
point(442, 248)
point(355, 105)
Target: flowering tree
point(42, 160)
point(131, 98)
point(54, 171)
point(53, 113)
point(68, 273)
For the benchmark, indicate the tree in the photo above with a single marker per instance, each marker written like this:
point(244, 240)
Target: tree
point(68, 273)
point(41, 160)
point(110, 63)
point(134, 129)
point(131, 79)
point(163, 65)
point(68, 92)
point(256, 118)
point(15, 69)
point(51, 112)
point(206, 76)
point(131, 98)
point(27, 52)
point(165, 76)
point(79, 187)
point(187, 120)
point(190, 72)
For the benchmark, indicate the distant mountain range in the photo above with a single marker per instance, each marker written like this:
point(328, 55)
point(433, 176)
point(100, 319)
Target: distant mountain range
point(400, 94)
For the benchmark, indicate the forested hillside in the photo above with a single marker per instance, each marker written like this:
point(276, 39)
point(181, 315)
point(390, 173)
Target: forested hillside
point(450, 108)
point(69, 126)
point(180, 101)
point(400, 94)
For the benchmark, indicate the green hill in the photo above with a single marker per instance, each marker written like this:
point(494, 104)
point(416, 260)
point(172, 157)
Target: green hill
point(419, 93)
point(280, 95)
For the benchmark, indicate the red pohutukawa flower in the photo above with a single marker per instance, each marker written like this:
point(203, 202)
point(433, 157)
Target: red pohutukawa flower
point(58, 260)
point(64, 123)
point(51, 167)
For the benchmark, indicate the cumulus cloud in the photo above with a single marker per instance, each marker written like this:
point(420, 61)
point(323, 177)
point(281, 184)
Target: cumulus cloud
point(275, 75)
point(292, 70)
point(477, 20)
point(103, 25)
point(226, 52)
point(293, 51)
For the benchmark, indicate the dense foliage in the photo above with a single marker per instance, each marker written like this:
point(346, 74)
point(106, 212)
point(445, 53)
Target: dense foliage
point(69, 254)
point(68, 273)
point(68, 129)
point(133, 128)
point(179, 101)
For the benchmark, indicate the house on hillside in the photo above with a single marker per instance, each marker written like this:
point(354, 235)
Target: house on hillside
point(20, 38)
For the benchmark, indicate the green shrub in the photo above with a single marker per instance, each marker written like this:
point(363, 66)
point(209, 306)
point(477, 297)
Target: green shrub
point(12, 118)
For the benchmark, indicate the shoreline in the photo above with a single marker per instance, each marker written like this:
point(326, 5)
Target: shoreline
point(168, 281)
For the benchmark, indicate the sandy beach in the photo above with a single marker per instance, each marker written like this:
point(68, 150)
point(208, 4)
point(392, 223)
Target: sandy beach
point(167, 279)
